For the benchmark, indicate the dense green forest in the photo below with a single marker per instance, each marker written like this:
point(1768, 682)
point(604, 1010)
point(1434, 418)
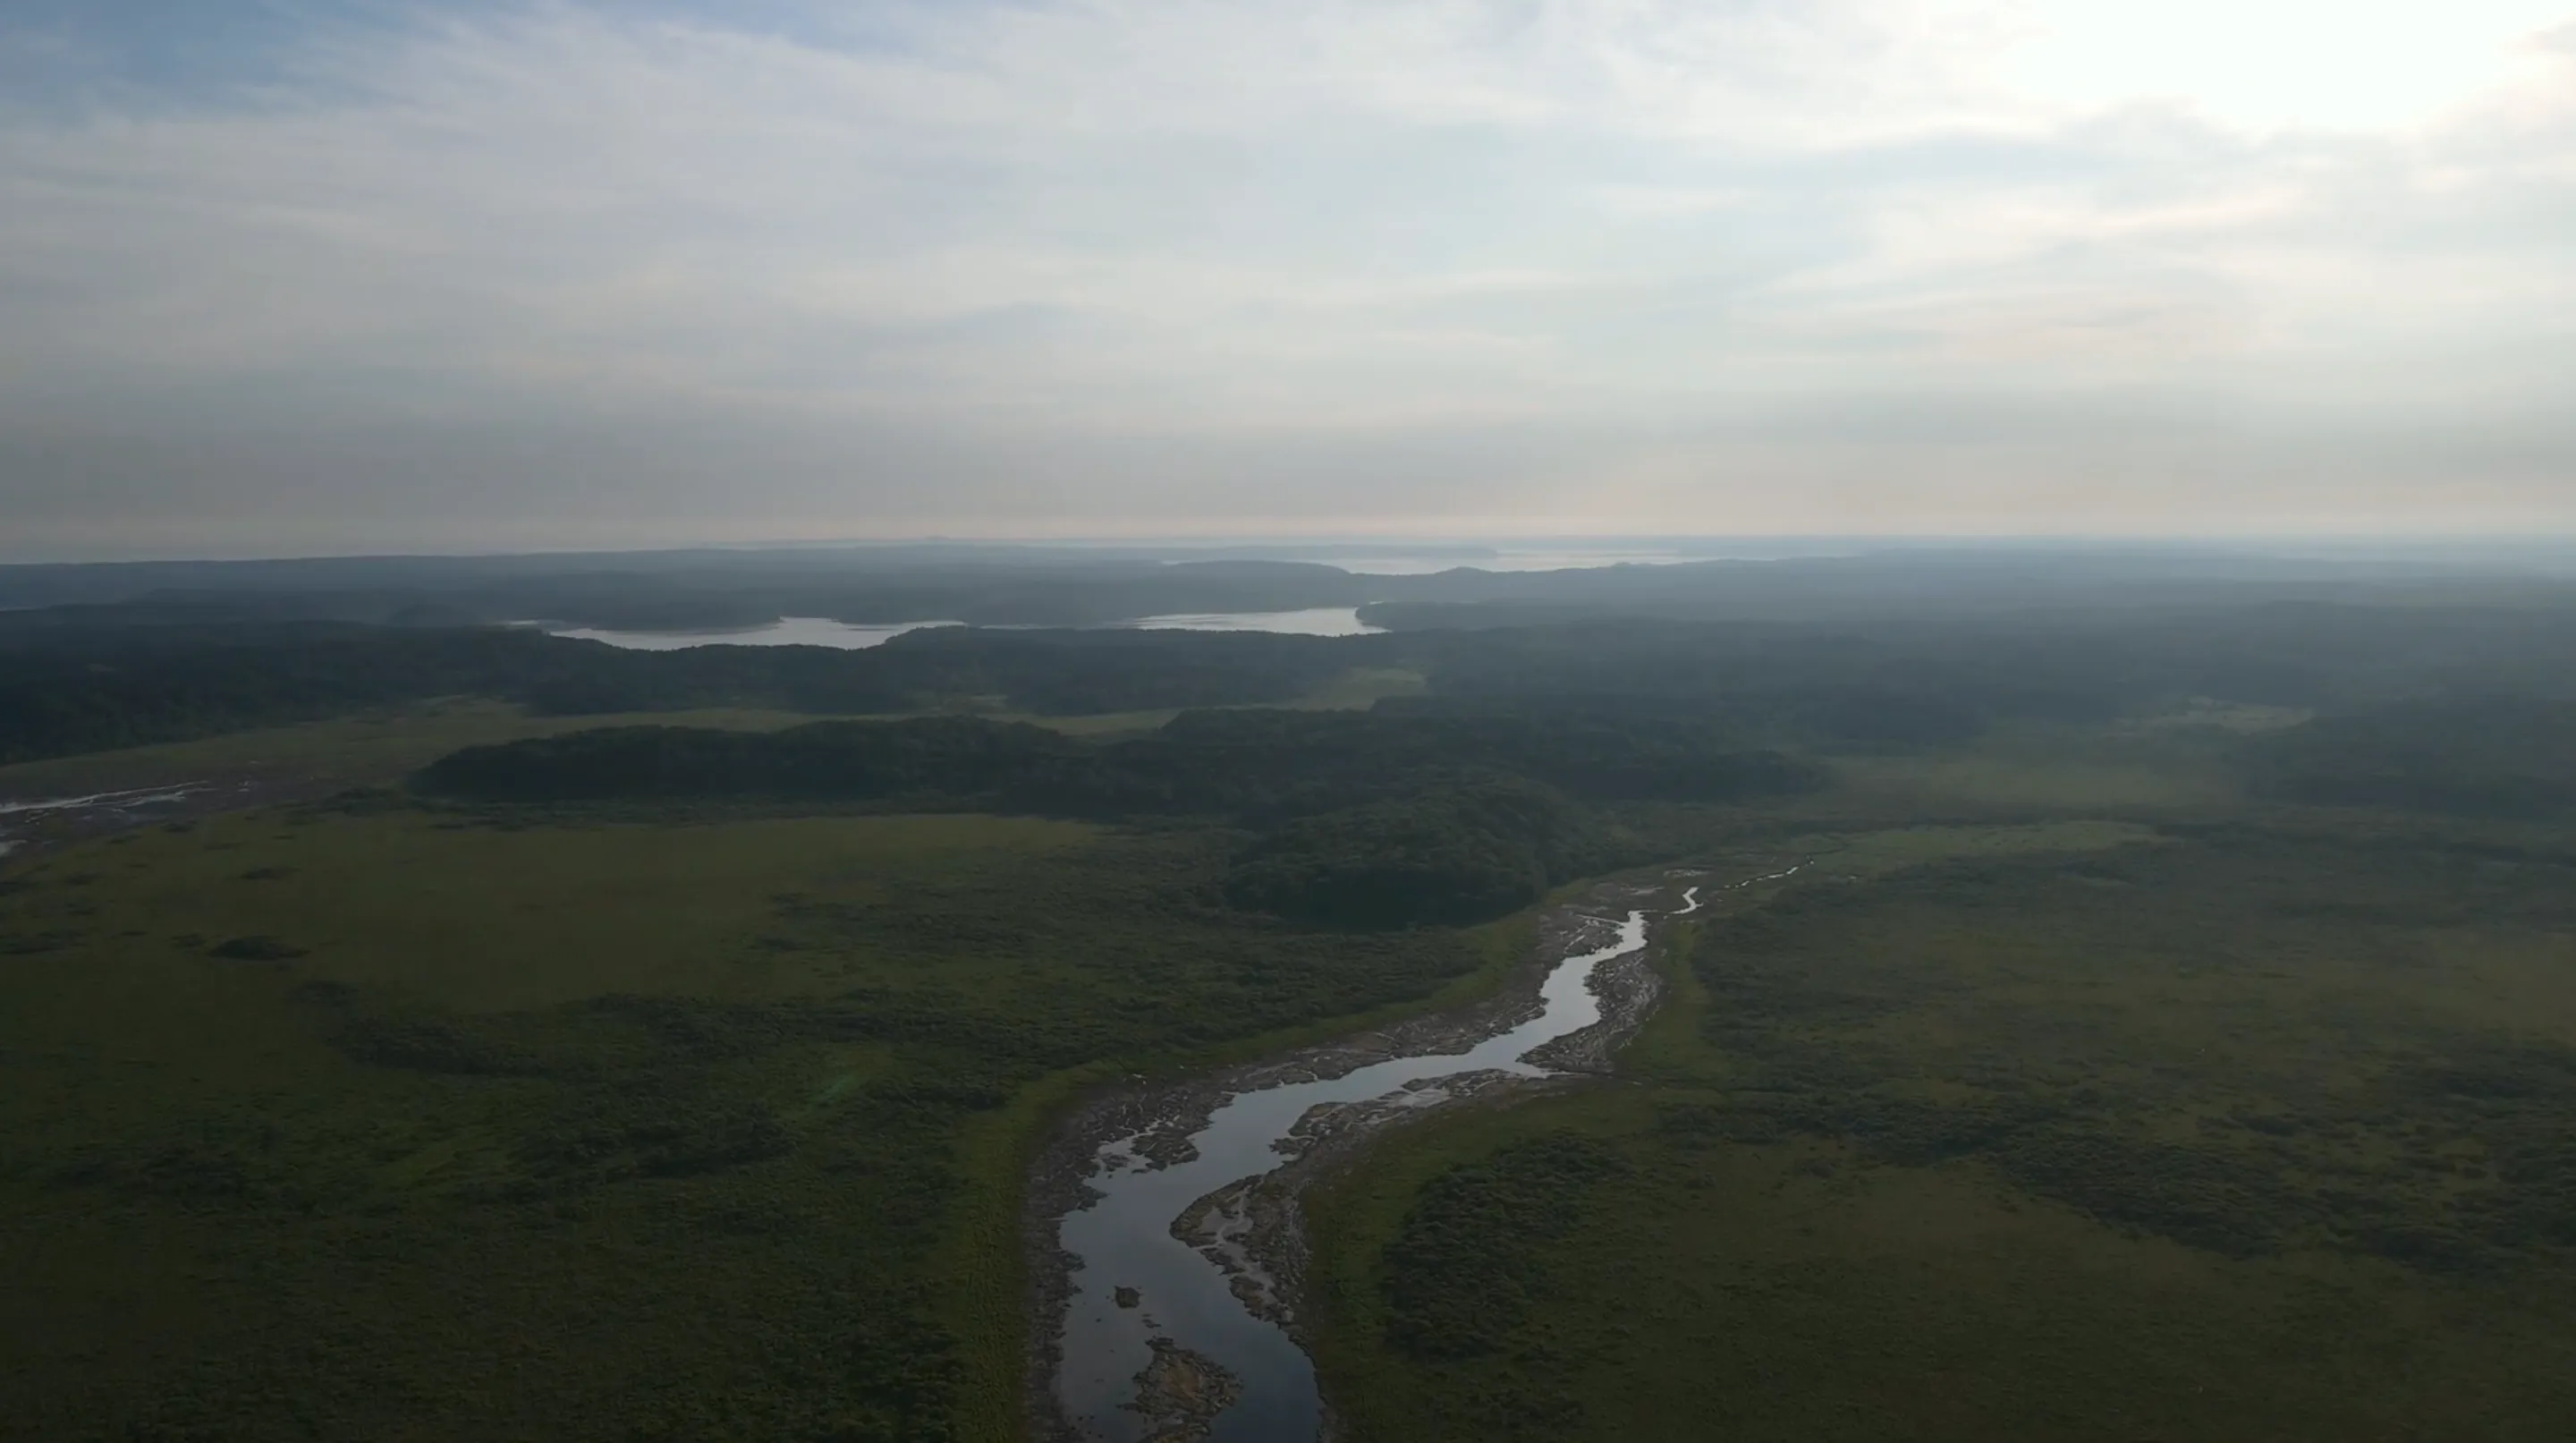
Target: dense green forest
point(1256, 764)
point(90, 688)
point(2489, 756)
point(1882, 681)
point(1000, 585)
point(1372, 819)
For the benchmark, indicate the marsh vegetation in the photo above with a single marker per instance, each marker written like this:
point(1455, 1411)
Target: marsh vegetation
point(2228, 1131)
point(2170, 1035)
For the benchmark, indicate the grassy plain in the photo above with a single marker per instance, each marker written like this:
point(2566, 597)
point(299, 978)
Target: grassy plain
point(2241, 1133)
point(370, 1120)
point(2031, 771)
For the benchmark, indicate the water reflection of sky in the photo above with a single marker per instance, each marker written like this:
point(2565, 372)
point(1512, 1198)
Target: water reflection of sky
point(786, 631)
point(1311, 621)
point(841, 635)
point(117, 803)
point(1123, 1237)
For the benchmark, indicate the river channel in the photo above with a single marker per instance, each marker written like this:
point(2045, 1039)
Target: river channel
point(99, 811)
point(1140, 1296)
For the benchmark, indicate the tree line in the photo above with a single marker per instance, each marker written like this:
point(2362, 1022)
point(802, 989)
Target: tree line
point(1372, 819)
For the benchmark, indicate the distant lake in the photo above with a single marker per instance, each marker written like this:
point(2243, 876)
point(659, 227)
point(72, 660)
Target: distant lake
point(822, 631)
point(785, 631)
point(1314, 621)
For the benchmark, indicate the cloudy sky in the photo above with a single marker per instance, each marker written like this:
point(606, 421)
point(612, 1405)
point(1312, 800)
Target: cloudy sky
point(281, 276)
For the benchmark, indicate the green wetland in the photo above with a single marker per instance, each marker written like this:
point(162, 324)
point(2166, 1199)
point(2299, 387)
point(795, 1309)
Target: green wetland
point(383, 1122)
point(2168, 1030)
point(2229, 1132)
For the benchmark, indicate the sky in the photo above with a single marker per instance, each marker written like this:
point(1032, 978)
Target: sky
point(285, 277)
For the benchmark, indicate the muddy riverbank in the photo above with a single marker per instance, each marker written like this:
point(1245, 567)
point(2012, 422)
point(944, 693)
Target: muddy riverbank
point(1249, 1230)
point(33, 821)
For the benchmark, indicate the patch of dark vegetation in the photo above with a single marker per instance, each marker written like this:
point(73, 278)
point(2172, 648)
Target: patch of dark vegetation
point(258, 948)
point(29, 944)
point(2504, 757)
point(1905, 1131)
point(223, 1162)
point(1371, 820)
point(2066, 1105)
point(1460, 1273)
point(649, 1135)
point(88, 688)
point(322, 992)
point(965, 759)
point(1255, 764)
point(1450, 857)
point(2206, 1197)
point(420, 1045)
point(870, 1371)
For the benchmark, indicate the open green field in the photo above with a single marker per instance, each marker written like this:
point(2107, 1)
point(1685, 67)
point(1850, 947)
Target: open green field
point(2229, 1134)
point(372, 1120)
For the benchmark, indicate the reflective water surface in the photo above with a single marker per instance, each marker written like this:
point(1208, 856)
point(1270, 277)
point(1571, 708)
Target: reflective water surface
point(115, 807)
point(785, 631)
point(1124, 1240)
point(1312, 621)
point(845, 636)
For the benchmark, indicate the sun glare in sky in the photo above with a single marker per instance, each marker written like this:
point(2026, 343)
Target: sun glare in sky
point(2287, 64)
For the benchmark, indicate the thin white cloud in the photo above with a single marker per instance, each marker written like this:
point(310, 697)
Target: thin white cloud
point(957, 241)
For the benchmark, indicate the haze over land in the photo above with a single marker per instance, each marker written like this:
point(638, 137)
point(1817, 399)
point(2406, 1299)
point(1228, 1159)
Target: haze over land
point(1184, 721)
point(2135, 986)
point(389, 277)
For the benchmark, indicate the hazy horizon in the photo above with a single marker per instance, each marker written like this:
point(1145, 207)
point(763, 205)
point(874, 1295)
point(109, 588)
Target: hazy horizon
point(1364, 553)
point(390, 278)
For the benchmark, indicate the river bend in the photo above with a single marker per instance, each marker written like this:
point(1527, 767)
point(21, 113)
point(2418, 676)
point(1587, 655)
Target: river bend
point(1133, 1281)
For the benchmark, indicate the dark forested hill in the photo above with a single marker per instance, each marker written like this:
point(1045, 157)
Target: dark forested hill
point(2501, 757)
point(1892, 680)
point(87, 689)
point(1260, 765)
point(1366, 819)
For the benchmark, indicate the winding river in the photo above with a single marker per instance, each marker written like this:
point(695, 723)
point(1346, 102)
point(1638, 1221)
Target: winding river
point(1134, 1281)
point(109, 808)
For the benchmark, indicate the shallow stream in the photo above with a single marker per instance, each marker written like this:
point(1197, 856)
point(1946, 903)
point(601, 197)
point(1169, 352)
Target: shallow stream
point(1124, 1239)
point(110, 808)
